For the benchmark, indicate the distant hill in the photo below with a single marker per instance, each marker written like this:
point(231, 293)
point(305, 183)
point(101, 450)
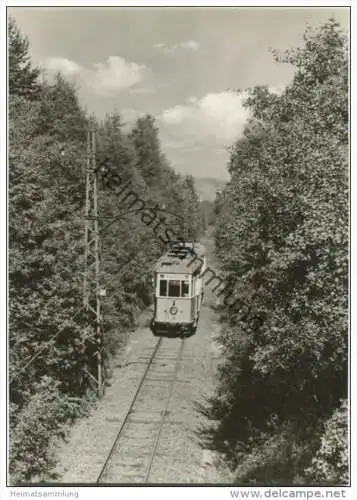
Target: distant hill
point(206, 187)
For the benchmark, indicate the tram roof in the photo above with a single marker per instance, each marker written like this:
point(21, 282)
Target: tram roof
point(182, 260)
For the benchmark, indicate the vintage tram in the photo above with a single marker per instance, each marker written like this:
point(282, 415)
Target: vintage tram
point(178, 288)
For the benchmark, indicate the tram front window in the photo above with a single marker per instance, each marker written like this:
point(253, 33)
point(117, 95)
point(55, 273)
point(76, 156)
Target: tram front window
point(163, 288)
point(185, 288)
point(174, 288)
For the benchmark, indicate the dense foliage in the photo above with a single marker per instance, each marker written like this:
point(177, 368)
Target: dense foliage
point(208, 216)
point(282, 238)
point(51, 341)
point(22, 75)
point(47, 337)
point(330, 464)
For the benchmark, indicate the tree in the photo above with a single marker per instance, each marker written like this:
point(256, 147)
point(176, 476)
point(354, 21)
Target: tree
point(22, 75)
point(49, 342)
point(330, 465)
point(191, 209)
point(282, 235)
point(207, 209)
point(61, 115)
point(52, 344)
point(145, 139)
point(125, 263)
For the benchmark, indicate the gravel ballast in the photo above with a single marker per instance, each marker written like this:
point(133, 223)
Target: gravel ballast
point(180, 457)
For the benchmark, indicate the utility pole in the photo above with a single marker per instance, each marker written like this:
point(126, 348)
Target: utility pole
point(91, 282)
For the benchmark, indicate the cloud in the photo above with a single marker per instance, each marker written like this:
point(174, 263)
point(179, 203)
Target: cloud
point(114, 76)
point(189, 45)
point(183, 143)
point(198, 133)
point(61, 65)
point(216, 116)
point(143, 90)
point(105, 79)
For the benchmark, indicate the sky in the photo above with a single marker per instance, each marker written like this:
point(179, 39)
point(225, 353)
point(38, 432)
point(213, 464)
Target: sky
point(183, 65)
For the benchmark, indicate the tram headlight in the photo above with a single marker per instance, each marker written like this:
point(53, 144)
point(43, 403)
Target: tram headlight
point(173, 310)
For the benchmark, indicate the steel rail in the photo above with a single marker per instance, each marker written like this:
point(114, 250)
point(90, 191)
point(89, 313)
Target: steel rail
point(161, 425)
point(113, 448)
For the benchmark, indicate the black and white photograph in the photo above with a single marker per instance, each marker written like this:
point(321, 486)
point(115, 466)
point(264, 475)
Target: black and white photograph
point(178, 236)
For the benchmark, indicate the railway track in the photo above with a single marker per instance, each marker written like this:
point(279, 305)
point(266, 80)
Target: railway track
point(136, 445)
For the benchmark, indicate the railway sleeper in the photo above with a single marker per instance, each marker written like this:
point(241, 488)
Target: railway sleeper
point(114, 479)
point(138, 463)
